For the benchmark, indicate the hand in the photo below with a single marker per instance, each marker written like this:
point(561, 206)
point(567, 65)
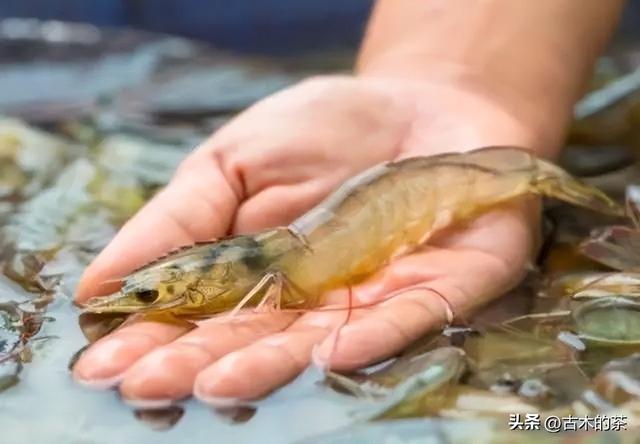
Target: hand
point(271, 164)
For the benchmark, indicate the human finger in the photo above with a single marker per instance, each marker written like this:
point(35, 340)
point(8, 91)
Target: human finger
point(168, 372)
point(103, 364)
point(265, 365)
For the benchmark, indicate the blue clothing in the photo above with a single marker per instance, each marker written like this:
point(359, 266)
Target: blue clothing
point(260, 26)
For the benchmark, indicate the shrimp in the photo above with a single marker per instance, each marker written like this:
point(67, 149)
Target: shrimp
point(413, 385)
point(388, 210)
point(585, 285)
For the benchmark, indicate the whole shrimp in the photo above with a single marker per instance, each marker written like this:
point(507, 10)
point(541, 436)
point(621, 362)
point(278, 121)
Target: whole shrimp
point(386, 211)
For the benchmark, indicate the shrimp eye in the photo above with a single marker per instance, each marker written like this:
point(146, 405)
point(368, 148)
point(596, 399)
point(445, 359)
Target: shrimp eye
point(147, 296)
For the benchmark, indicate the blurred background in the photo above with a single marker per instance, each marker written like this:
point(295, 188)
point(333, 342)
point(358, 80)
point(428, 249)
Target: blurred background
point(274, 27)
point(264, 26)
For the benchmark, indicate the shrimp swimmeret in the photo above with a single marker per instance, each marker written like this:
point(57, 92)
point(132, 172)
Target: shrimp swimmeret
point(388, 210)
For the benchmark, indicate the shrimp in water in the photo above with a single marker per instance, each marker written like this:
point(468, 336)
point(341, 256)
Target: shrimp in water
point(388, 210)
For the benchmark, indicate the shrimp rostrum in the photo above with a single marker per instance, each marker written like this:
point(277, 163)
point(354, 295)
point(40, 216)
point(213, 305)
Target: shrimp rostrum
point(388, 210)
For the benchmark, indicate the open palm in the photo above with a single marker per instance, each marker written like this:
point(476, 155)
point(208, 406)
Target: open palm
point(268, 166)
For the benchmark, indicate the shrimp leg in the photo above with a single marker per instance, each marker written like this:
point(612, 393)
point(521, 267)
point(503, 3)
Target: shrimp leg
point(273, 298)
point(274, 283)
point(261, 285)
point(273, 295)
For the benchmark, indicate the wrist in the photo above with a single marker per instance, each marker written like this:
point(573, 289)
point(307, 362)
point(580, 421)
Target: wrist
point(530, 59)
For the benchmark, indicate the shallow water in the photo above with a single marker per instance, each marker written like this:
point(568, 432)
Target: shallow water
point(47, 406)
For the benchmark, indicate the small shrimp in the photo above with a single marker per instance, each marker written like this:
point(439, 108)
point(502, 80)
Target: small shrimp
point(386, 211)
point(616, 246)
point(589, 284)
point(413, 385)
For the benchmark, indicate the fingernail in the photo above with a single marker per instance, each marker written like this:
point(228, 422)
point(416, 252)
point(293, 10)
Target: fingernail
point(100, 384)
point(219, 401)
point(148, 404)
